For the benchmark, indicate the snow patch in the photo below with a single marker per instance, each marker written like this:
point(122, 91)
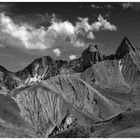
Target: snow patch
point(120, 65)
point(33, 79)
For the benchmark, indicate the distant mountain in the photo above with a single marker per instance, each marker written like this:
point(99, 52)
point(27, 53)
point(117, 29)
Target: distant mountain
point(46, 67)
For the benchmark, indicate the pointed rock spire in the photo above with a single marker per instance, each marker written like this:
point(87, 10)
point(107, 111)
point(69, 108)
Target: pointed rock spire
point(91, 55)
point(124, 48)
point(90, 49)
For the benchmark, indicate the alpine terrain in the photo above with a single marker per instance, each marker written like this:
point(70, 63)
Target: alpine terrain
point(96, 95)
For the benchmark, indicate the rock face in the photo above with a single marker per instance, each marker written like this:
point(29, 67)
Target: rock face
point(46, 105)
point(92, 96)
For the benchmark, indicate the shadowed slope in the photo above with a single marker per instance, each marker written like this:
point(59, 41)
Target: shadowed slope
point(122, 125)
point(12, 124)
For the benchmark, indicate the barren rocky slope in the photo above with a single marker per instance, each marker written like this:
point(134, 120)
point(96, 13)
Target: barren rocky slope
point(123, 125)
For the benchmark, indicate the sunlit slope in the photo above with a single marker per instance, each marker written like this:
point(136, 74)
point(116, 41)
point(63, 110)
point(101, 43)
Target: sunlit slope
point(44, 109)
point(107, 75)
point(117, 78)
point(129, 67)
point(46, 104)
point(83, 96)
point(131, 73)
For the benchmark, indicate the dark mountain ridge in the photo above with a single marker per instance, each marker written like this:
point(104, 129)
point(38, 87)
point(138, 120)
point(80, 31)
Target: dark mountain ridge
point(46, 67)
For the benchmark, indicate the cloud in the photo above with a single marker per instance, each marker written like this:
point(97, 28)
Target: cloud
point(84, 28)
point(90, 35)
point(127, 5)
point(96, 6)
point(61, 32)
point(131, 5)
point(31, 37)
point(57, 52)
point(63, 28)
point(37, 38)
point(107, 6)
point(79, 43)
point(103, 24)
point(71, 57)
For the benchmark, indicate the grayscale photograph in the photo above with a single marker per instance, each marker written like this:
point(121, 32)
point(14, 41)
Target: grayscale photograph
point(70, 69)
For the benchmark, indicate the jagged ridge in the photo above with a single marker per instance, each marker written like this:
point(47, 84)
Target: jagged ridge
point(46, 67)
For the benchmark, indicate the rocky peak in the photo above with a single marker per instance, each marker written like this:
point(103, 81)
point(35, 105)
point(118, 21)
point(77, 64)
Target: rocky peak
point(90, 49)
point(91, 55)
point(45, 60)
point(124, 48)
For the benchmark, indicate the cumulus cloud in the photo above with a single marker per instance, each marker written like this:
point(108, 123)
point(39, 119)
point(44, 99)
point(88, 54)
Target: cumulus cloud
point(31, 37)
point(127, 5)
point(90, 35)
point(57, 52)
point(59, 31)
point(103, 24)
point(63, 28)
point(71, 57)
point(84, 28)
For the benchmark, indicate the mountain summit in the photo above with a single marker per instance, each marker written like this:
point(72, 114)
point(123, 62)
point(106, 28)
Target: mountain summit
point(124, 48)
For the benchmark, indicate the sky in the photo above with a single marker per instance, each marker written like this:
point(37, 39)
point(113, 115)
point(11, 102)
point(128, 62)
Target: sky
point(63, 29)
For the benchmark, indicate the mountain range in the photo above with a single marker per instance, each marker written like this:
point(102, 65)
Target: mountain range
point(95, 95)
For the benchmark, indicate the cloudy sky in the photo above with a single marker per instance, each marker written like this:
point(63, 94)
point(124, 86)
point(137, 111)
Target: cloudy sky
point(63, 30)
